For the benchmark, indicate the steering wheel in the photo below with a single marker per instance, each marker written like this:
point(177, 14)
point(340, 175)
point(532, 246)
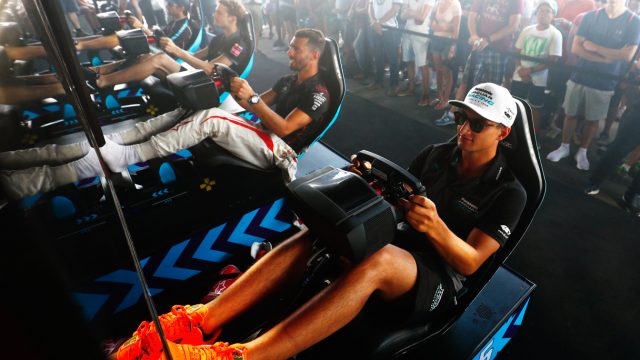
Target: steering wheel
point(222, 75)
point(392, 181)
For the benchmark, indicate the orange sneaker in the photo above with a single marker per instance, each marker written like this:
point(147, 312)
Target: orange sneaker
point(181, 325)
point(217, 351)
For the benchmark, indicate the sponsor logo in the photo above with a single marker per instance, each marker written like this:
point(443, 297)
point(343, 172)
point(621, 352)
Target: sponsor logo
point(505, 231)
point(482, 98)
point(436, 297)
point(318, 99)
point(236, 50)
point(467, 206)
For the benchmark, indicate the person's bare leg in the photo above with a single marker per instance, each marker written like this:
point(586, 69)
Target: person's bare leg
point(437, 64)
point(588, 131)
point(568, 127)
point(19, 94)
point(137, 10)
point(462, 91)
point(282, 266)
point(25, 52)
point(103, 42)
point(447, 82)
point(46, 79)
point(90, 15)
point(159, 64)
point(411, 74)
point(73, 18)
point(425, 82)
point(391, 271)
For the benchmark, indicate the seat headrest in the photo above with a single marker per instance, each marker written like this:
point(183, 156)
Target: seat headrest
point(245, 25)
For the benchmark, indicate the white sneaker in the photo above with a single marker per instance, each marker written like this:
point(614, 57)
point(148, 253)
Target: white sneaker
point(558, 154)
point(582, 163)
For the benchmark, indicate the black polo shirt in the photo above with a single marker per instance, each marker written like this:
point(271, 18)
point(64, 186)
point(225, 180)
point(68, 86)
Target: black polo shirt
point(235, 48)
point(181, 32)
point(311, 97)
point(492, 202)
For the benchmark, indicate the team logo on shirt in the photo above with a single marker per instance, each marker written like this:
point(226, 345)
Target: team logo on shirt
point(318, 100)
point(467, 206)
point(236, 49)
point(505, 231)
point(436, 297)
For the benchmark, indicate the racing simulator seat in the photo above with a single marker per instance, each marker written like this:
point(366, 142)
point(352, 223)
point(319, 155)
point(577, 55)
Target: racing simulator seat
point(165, 201)
point(333, 76)
point(165, 99)
point(463, 332)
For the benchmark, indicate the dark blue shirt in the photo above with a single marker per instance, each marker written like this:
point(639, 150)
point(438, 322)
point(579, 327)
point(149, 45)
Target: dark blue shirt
point(616, 33)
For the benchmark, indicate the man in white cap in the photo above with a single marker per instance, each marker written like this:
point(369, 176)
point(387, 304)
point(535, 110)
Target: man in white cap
point(472, 203)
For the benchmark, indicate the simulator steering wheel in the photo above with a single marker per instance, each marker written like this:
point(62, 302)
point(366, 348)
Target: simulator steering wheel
point(354, 215)
point(157, 34)
point(221, 76)
point(197, 90)
point(392, 181)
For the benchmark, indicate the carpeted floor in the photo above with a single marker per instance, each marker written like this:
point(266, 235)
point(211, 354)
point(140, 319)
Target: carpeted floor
point(581, 251)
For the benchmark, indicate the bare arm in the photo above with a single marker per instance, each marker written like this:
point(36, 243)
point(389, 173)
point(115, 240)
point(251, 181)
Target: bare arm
point(472, 24)
point(578, 49)
point(194, 60)
point(512, 27)
point(465, 257)
point(280, 126)
point(389, 14)
point(421, 15)
point(626, 53)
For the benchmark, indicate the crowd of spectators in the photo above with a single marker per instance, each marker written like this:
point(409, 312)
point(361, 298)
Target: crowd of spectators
point(574, 61)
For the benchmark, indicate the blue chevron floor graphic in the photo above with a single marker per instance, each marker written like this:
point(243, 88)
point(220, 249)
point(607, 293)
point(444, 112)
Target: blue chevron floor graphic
point(120, 289)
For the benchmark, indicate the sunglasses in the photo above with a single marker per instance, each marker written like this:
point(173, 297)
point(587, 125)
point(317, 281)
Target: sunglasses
point(475, 124)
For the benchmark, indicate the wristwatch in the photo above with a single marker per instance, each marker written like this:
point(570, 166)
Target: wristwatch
point(254, 99)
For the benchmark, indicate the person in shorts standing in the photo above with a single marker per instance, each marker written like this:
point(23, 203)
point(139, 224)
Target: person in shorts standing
point(605, 42)
point(541, 40)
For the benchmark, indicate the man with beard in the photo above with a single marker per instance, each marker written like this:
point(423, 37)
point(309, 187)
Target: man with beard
point(301, 101)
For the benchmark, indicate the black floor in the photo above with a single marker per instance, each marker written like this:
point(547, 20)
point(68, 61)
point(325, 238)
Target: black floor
point(581, 251)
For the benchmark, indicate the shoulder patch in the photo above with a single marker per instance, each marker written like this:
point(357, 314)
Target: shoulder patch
point(318, 99)
point(236, 50)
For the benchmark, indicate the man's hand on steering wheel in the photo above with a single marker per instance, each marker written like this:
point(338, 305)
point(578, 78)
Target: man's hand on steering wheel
point(358, 167)
point(241, 90)
point(169, 46)
point(134, 22)
point(420, 213)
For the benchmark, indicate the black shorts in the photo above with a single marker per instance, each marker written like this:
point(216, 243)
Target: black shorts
point(434, 291)
point(530, 92)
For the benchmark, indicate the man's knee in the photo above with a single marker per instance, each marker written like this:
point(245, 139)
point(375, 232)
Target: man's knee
point(164, 62)
point(389, 259)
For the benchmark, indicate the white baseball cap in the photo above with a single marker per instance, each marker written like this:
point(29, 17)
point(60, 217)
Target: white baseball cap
point(492, 102)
